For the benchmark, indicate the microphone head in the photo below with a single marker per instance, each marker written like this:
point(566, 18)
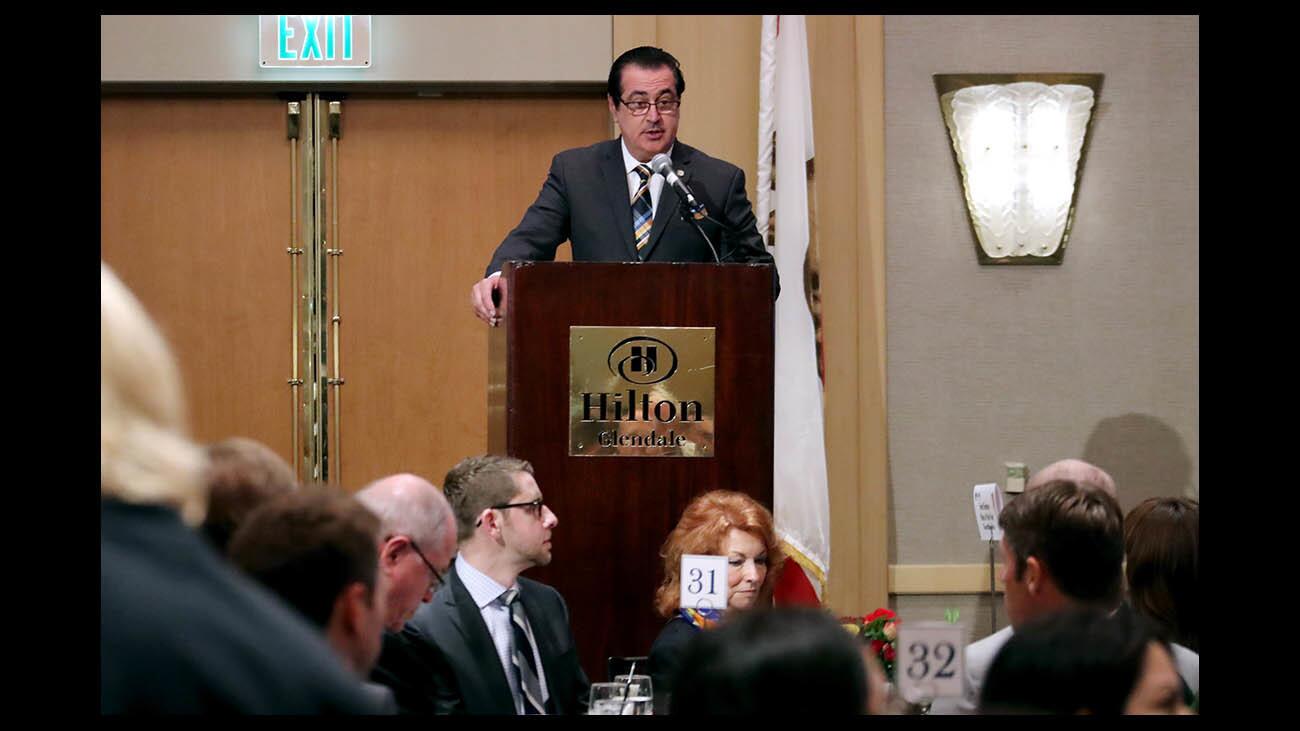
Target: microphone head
point(662, 164)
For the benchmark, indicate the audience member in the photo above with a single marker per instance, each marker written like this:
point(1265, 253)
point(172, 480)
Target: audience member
point(1062, 547)
point(316, 550)
point(1076, 471)
point(416, 544)
point(241, 475)
point(718, 523)
point(1087, 661)
point(417, 541)
point(181, 631)
point(1162, 545)
point(773, 661)
point(501, 643)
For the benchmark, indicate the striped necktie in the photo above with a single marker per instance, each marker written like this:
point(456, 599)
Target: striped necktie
point(642, 214)
point(521, 656)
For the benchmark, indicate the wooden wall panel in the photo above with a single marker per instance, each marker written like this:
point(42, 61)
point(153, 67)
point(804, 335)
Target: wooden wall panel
point(719, 57)
point(428, 189)
point(830, 46)
point(194, 211)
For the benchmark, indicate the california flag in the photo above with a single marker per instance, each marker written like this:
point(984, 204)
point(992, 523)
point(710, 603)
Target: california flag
point(786, 221)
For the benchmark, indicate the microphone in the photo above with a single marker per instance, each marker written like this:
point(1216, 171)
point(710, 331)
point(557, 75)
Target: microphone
point(663, 165)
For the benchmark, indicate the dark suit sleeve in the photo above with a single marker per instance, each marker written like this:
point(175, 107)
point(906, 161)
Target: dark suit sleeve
point(543, 228)
point(581, 685)
point(419, 676)
point(742, 243)
point(666, 658)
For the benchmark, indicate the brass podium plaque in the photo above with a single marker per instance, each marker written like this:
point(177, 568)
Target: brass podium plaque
point(641, 391)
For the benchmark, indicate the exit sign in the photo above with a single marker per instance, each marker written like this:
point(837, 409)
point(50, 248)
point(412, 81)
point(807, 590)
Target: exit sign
point(307, 41)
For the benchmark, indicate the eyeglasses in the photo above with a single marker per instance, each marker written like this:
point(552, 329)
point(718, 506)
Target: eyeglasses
point(533, 506)
point(437, 576)
point(639, 107)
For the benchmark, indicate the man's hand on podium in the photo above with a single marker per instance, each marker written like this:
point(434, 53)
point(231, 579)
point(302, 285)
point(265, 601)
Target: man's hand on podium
point(488, 297)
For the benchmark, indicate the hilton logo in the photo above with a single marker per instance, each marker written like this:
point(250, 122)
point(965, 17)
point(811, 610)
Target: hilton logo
point(642, 361)
point(636, 360)
point(652, 397)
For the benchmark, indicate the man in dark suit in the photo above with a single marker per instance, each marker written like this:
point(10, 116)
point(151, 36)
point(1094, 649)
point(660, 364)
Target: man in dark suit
point(498, 643)
point(416, 544)
point(315, 548)
point(606, 201)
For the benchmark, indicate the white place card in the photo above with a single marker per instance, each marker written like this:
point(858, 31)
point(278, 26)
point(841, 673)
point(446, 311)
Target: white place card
point(930, 660)
point(704, 582)
point(988, 503)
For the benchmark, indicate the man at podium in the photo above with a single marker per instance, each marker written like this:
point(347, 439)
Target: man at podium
point(614, 203)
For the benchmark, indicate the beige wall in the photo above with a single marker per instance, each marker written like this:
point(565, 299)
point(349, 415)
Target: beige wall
point(1097, 358)
point(404, 49)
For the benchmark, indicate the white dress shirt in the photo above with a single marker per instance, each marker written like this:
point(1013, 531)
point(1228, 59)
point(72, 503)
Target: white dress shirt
point(634, 179)
point(486, 591)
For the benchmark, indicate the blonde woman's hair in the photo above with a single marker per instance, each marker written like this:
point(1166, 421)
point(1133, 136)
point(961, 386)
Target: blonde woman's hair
point(145, 456)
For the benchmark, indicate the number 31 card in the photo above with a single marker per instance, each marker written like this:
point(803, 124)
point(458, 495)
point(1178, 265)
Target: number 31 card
point(704, 582)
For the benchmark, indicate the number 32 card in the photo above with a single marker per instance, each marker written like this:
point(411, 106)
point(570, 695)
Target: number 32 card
point(930, 660)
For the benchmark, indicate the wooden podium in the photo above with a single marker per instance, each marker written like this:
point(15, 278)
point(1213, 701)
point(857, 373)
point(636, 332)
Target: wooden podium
point(615, 510)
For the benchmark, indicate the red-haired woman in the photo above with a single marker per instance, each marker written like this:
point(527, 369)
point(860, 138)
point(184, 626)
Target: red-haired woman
point(719, 523)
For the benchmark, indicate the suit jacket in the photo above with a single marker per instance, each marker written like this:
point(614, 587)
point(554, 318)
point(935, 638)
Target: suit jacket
point(467, 675)
point(407, 666)
point(666, 659)
point(585, 200)
point(181, 631)
point(383, 697)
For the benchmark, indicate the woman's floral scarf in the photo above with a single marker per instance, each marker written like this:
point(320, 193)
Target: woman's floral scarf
point(701, 618)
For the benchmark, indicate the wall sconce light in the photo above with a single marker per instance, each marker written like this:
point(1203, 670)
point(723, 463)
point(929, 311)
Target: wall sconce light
point(1019, 142)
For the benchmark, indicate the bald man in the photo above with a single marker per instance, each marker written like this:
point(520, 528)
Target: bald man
point(1076, 471)
point(417, 543)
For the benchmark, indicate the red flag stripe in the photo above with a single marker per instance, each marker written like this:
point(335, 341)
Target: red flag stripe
point(793, 588)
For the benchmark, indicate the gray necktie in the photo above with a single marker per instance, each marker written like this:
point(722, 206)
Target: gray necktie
point(521, 656)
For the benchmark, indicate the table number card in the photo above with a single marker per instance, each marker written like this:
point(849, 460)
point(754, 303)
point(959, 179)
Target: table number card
point(704, 582)
point(988, 504)
point(930, 660)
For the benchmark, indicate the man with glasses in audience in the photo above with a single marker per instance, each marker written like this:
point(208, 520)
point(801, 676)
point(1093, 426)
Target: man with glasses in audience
point(499, 643)
point(417, 542)
point(417, 535)
point(607, 202)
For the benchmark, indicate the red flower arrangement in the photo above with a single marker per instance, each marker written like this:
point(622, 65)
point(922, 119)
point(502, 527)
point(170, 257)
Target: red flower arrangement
point(880, 630)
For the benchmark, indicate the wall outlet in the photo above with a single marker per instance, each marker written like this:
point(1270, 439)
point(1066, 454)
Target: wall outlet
point(1017, 473)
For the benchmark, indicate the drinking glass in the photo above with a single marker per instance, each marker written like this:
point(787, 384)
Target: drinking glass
point(607, 699)
point(640, 694)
